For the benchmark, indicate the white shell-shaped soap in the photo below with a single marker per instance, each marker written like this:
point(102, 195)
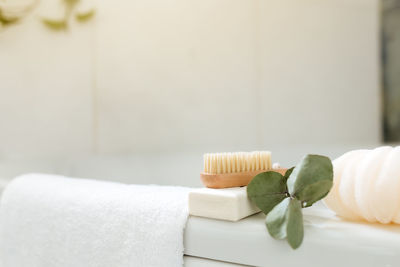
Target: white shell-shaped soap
point(366, 185)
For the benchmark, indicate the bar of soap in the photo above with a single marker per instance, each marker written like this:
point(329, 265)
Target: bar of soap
point(229, 204)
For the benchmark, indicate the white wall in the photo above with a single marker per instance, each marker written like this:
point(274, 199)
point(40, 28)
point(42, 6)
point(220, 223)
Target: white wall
point(182, 75)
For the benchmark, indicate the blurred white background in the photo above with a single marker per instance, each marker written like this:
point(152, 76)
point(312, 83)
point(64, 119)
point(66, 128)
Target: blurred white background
point(139, 92)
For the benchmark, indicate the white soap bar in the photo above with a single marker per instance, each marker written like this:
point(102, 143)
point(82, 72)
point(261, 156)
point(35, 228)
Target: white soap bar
point(229, 204)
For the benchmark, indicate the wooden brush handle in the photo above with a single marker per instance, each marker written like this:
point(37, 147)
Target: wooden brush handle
point(226, 180)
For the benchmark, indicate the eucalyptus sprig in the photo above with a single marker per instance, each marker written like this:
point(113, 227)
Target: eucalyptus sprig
point(281, 197)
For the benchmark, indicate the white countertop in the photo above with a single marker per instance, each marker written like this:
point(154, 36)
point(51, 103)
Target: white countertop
point(328, 241)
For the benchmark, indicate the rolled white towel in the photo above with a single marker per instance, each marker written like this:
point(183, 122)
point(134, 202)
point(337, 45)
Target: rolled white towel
point(54, 221)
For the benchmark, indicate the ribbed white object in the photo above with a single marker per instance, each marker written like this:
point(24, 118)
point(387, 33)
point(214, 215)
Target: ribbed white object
point(367, 185)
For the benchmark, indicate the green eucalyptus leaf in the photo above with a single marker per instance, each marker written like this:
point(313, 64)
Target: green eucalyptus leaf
point(267, 189)
point(315, 192)
point(288, 173)
point(276, 220)
point(311, 179)
point(286, 221)
point(295, 230)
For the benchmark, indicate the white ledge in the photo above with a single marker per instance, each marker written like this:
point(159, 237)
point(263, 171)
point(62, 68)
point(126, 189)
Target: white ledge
point(328, 241)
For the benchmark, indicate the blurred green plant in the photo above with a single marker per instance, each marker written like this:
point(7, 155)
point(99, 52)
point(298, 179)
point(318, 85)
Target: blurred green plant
point(4, 20)
point(12, 14)
point(70, 11)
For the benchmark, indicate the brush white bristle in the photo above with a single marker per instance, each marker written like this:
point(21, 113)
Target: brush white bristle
point(217, 163)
